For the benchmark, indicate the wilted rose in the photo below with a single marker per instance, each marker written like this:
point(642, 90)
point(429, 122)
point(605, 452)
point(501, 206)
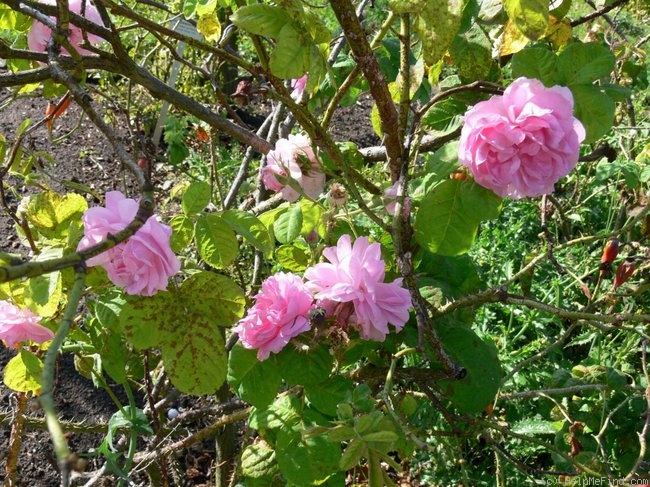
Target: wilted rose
point(293, 158)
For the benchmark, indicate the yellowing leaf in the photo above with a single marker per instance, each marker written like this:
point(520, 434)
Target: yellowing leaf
point(559, 32)
point(23, 373)
point(530, 16)
point(513, 40)
point(52, 213)
point(208, 25)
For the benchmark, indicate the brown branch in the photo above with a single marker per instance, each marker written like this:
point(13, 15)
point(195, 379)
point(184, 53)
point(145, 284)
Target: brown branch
point(562, 391)
point(205, 433)
point(430, 143)
point(367, 62)
point(598, 13)
point(501, 296)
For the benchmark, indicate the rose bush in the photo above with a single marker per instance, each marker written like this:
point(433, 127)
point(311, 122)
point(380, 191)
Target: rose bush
point(18, 325)
point(520, 144)
point(39, 34)
point(293, 158)
point(281, 312)
point(143, 264)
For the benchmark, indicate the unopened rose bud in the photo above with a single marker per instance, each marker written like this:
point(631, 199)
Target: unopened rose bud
point(337, 196)
point(623, 272)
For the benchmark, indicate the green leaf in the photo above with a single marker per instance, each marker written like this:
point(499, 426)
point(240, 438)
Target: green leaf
point(292, 258)
point(182, 232)
point(535, 62)
point(368, 422)
point(186, 326)
point(258, 461)
point(530, 16)
point(306, 460)
point(196, 197)
point(249, 227)
point(450, 213)
point(214, 296)
point(263, 20)
point(381, 436)
point(584, 63)
point(128, 418)
point(290, 58)
point(107, 308)
point(215, 240)
point(594, 109)
point(256, 382)
point(194, 354)
point(353, 453)
point(473, 393)
point(326, 396)
point(43, 294)
point(113, 355)
point(23, 373)
point(312, 216)
point(142, 318)
point(285, 412)
point(189, 6)
point(445, 116)
point(287, 226)
point(300, 368)
point(472, 53)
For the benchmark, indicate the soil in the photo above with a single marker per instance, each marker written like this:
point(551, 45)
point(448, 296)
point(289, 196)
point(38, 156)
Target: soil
point(85, 156)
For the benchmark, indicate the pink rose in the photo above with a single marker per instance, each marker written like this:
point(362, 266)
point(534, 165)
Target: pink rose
point(520, 144)
point(298, 86)
point(18, 325)
point(293, 158)
point(281, 312)
point(39, 34)
point(355, 274)
point(143, 264)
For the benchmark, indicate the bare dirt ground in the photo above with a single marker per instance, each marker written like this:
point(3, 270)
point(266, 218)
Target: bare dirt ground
point(84, 156)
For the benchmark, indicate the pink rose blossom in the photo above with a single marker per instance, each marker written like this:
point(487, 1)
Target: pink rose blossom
point(298, 86)
point(18, 325)
point(39, 34)
point(520, 144)
point(355, 274)
point(281, 312)
point(390, 198)
point(293, 158)
point(143, 264)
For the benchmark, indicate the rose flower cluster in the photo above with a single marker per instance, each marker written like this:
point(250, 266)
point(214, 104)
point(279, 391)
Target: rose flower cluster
point(350, 286)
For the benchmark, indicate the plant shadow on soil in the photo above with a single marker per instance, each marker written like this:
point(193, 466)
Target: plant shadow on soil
point(84, 156)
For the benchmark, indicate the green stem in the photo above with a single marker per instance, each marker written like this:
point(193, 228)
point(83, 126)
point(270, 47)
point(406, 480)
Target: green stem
point(133, 435)
point(47, 396)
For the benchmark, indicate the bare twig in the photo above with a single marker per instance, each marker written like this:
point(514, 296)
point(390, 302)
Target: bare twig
point(598, 13)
